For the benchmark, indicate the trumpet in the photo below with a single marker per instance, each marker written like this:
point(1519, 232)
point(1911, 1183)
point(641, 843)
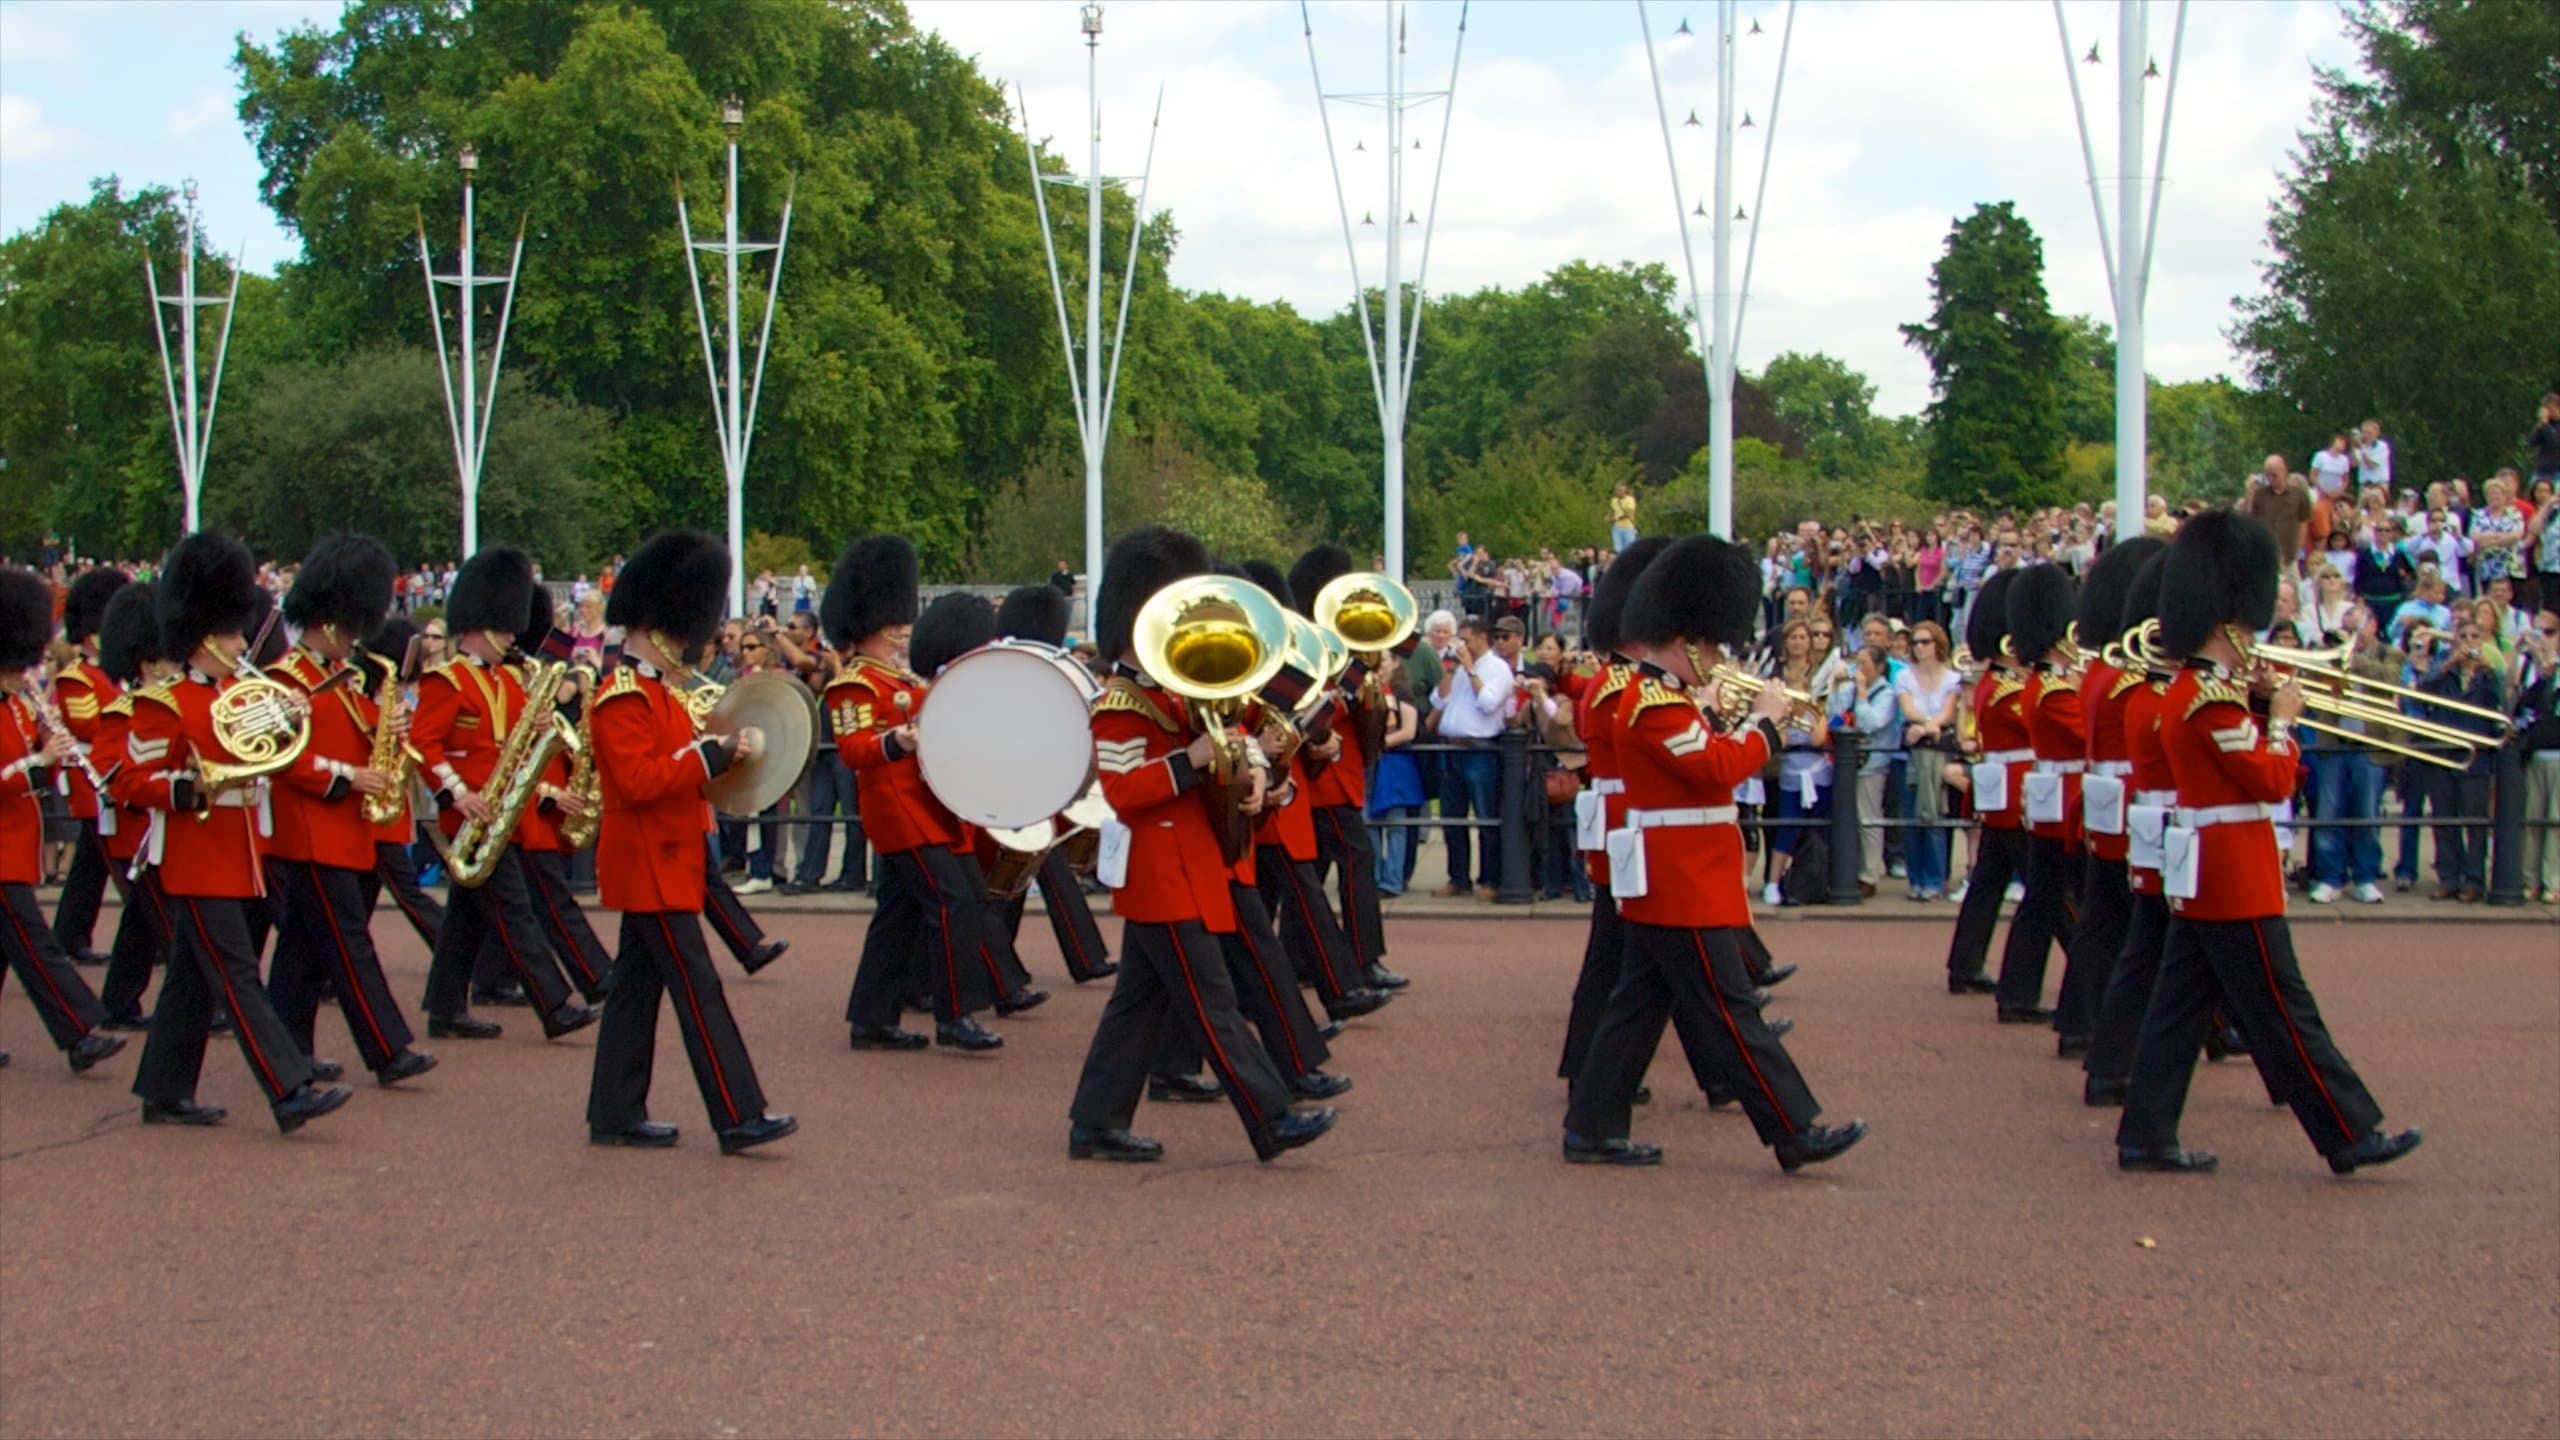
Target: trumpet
point(1740, 687)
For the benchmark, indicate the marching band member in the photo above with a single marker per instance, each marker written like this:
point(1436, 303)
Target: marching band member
point(544, 850)
point(925, 908)
point(2039, 612)
point(1265, 979)
point(2225, 876)
point(129, 651)
point(28, 745)
point(1602, 804)
point(2106, 902)
point(1039, 613)
point(322, 848)
point(207, 842)
point(2000, 842)
point(650, 766)
point(947, 629)
point(1172, 886)
point(1340, 793)
point(386, 658)
point(1676, 869)
point(466, 708)
point(79, 693)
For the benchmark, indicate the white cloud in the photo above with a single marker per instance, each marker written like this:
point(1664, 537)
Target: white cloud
point(208, 109)
point(27, 38)
point(24, 136)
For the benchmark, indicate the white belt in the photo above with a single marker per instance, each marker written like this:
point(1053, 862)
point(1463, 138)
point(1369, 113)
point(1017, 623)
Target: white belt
point(2007, 757)
point(1611, 786)
point(2061, 767)
point(1694, 815)
point(2164, 799)
point(2117, 768)
point(2224, 815)
point(235, 799)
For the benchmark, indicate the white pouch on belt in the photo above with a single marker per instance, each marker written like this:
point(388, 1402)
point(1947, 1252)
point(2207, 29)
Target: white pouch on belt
point(2144, 826)
point(2102, 804)
point(1990, 787)
point(2182, 853)
point(1111, 855)
point(1626, 863)
point(2044, 798)
point(1590, 820)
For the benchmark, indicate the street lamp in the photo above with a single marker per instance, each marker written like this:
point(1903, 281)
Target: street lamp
point(467, 415)
point(191, 428)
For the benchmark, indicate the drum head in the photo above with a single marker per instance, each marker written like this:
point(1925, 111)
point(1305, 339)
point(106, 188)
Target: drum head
point(1035, 837)
point(1005, 737)
point(1089, 812)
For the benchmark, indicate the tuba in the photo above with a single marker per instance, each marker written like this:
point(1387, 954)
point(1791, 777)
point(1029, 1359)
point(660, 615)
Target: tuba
point(538, 736)
point(1215, 641)
point(1320, 657)
point(1373, 614)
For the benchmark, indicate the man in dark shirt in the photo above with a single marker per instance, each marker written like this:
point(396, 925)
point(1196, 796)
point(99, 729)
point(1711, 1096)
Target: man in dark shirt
point(2282, 503)
point(1064, 581)
point(2537, 714)
point(2461, 672)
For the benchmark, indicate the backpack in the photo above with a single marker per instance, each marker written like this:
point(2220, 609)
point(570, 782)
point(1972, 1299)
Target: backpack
point(1808, 877)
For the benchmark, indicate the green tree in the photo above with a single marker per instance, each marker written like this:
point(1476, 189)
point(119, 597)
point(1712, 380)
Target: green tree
point(1995, 422)
point(2085, 386)
point(1543, 488)
point(2205, 440)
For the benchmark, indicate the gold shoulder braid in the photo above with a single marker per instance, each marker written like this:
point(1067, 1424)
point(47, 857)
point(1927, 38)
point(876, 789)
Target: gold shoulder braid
point(1612, 680)
point(623, 681)
point(158, 691)
point(2062, 681)
point(1120, 693)
point(2006, 686)
point(2124, 682)
point(1651, 692)
point(2216, 692)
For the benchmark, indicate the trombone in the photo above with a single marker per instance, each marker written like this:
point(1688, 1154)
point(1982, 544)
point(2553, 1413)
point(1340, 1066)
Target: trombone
point(2340, 695)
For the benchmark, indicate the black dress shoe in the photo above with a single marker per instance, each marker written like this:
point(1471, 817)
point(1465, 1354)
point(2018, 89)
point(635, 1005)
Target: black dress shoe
point(1777, 975)
point(1643, 1095)
point(793, 887)
point(1784, 1024)
point(4, 1059)
point(762, 1130)
point(887, 1037)
point(1352, 1004)
point(1974, 984)
point(130, 1020)
point(308, 1103)
point(1759, 999)
point(1184, 1089)
point(1317, 1085)
point(2025, 1015)
point(1297, 1128)
point(1021, 1000)
point(407, 1065)
point(327, 1070)
point(463, 1027)
point(1720, 1099)
point(1382, 978)
point(2222, 1041)
point(968, 1035)
point(1579, 1150)
point(1330, 1030)
point(569, 1019)
point(88, 1050)
point(181, 1112)
point(1822, 1142)
point(764, 954)
point(640, 1135)
point(2166, 1160)
point(1099, 972)
point(2070, 1047)
point(220, 1024)
point(1090, 1142)
point(2101, 1093)
point(508, 995)
point(2377, 1148)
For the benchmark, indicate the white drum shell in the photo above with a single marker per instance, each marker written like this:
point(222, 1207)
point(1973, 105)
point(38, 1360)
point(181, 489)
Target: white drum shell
point(1005, 735)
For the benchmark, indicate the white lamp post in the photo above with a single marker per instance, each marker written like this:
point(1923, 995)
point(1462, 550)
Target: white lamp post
point(191, 427)
point(467, 414)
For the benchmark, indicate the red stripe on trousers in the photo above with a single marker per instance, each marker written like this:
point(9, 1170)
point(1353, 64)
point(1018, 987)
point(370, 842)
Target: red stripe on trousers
point(2267, 965)
point(1708, 969)
point(346, 960)
point(35, 962)
point(1217, 1052)
point(239, 1022)
point(693, 1002)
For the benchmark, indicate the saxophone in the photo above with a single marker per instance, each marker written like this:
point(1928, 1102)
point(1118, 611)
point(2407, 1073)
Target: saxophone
point(538, 736)
point(391, 754)
point(578, 829)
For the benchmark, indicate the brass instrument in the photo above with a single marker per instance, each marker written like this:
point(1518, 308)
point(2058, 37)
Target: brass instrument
point(1737, 688)
point(1321, 656)
point(265, 723)
point(1373, 614)
point(537, 737)
point(2331, 690)
point(391, 756)
point(1214, 641)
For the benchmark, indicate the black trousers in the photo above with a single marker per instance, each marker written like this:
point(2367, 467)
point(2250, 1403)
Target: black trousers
point(2106, 914)
point(396, 872)
point(1006, 974)
point(1318, 949)
point(2128, 992)
point(1999, 857)
point(926, 916)
point(326, 944)
point(144, 939)
point(1698, 979)
point(2258, 979)
point(1173, 982)
point(564, 924)
point(726, 913)
point(1267, 990)
point(214, 964)
point(1603, 956)
point(2046, 916)
point(75, 917)
point(663, 952)
point(1070, 920)
point(62, 999)
point(500, 911)
point(1342, 841)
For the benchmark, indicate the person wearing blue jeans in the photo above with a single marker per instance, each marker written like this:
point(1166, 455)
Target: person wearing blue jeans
point(2349, 787)
point(1395, 794)
point(830, 793)
point(1468, 779)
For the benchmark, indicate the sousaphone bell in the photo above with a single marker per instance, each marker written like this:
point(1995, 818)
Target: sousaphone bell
point(1215, 641)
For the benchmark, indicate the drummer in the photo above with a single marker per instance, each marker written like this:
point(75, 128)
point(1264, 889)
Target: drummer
point(949, 628)
point(1038, 613)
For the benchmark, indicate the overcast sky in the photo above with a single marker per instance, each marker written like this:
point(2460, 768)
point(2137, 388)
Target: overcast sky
point(1898, 117)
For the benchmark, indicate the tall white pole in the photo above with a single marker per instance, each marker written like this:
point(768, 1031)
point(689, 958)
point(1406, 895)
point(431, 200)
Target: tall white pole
point(2131, 258)
point(734, 395)
point(1097, 421)
point(1393, 499)
point(733, 455)
point(473, 432)
point(191, 401)
point(192, 475)
point(1720, 402)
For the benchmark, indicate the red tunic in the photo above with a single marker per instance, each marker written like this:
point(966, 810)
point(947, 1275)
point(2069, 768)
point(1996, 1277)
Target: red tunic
point(2103, 692)
point(319, 816)
point(122, 825)
point(1673, 760)
point(1292, 827)
point(649, 773)
point(1176, 871)
point(2222, 757)
point(2142, 705)
point(2000, 724)
point(2060, 738)
point(1344, 780)
point(465, 708)
point(21, 813)
point(899, 813)
point(1596, 721)
point(212, 853)
point(82, 693)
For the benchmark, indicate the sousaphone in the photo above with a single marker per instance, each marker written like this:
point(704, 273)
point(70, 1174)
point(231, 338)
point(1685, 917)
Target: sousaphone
point(1375, 616)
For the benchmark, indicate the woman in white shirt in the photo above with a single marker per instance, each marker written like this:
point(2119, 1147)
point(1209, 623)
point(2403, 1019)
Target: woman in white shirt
point(2331, 602)
point(1804, 765)
point(1927, 696)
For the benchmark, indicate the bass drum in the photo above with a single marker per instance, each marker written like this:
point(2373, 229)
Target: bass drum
point(1081, 845)
point(1005, 735)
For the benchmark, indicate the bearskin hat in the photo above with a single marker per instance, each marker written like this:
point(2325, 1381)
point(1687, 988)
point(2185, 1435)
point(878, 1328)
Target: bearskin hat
point(1275, 584)
point(26, 618)
point(1315, 570)
point(208, 586)
point(872, 588)
point(129, 633)
point(676, 584)
point(86, 604)
point(1141, 563)
point(2104, 589)
point(2041, 604)
point(1034, 612)
point(1698, 588)
point(1602, 627)
point(391, 641)
point(541, 618)
point(1987, 623)
point(346, 582)
point(492, 591)
point(2142, 598)
point(2221, 570)
point(949, 628)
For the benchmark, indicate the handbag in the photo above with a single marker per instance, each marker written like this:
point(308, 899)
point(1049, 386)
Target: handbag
point(1561, 785)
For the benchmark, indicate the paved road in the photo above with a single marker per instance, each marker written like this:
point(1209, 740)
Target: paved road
point(452, 1259)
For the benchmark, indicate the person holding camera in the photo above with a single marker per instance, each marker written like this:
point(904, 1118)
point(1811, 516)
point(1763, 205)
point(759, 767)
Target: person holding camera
point(2456, 666)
